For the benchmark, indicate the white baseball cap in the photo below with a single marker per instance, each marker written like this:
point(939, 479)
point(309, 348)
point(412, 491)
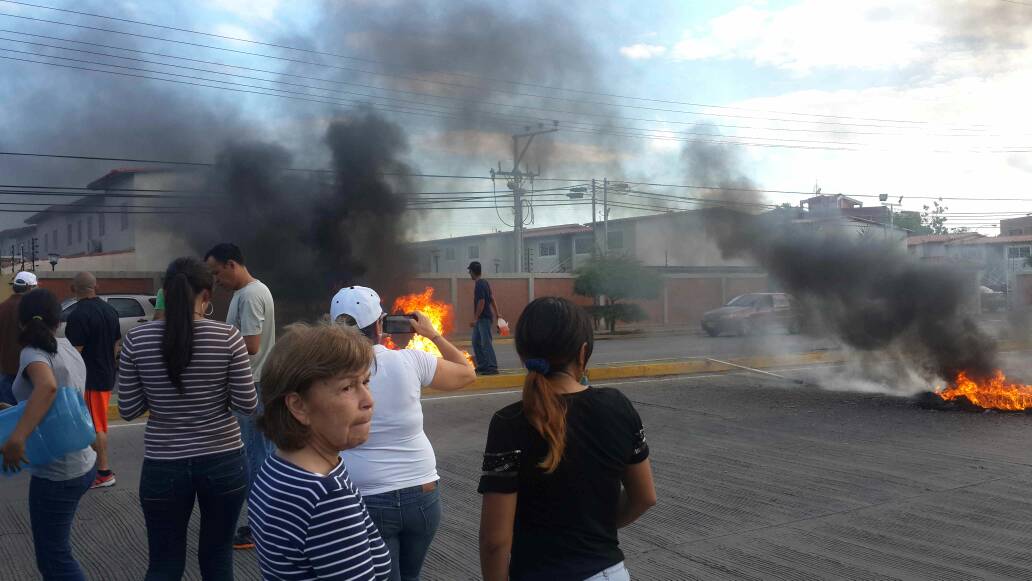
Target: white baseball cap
point(25, 279)
point(358, 302)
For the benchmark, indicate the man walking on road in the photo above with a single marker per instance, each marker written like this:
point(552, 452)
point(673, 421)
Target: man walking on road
point(485, 317)
point(93, 329)
point(10, 346)
point(253, 312)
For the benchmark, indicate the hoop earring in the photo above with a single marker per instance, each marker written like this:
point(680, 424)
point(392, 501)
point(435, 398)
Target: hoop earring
point(210, 310)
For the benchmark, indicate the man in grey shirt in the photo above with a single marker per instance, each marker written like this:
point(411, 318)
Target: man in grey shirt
point(253, 312)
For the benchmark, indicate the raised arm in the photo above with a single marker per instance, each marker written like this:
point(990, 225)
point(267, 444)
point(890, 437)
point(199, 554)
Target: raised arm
point(453, 371)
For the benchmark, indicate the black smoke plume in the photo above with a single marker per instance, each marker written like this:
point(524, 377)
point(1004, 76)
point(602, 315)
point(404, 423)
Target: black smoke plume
point(311, 232)
point(866, 292)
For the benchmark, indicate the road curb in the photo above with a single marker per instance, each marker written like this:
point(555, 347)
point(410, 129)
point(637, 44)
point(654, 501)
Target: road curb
point(689, 366)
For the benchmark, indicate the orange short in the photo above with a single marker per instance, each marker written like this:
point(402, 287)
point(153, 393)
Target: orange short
point(97, 403)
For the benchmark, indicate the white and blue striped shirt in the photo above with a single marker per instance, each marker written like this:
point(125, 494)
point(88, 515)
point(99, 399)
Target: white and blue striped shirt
point(307, 526)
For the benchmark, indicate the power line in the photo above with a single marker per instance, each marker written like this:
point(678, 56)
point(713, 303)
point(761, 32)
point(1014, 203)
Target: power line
point(434, 96)
point(459, 85)
point(439, 114)
point(955, 197)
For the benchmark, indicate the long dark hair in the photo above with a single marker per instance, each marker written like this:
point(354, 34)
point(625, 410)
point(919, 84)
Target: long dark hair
point(185, 278)
point(549, 336)
point(39, 314)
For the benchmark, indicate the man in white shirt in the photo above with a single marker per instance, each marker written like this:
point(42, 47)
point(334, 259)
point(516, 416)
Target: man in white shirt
point(253, 312)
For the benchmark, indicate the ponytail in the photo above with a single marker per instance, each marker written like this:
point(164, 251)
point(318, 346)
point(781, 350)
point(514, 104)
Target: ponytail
point(184, 280)
point(550, 334)
point(546, 411)
point(39, 314)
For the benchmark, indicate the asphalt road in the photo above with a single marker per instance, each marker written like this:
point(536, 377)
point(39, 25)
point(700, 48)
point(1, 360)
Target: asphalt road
point(758, 478)
point(661, 347)
point(695, 344)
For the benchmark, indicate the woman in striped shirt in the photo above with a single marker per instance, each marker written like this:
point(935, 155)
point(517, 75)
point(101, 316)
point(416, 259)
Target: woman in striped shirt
point(188, 372)
point(308, 519)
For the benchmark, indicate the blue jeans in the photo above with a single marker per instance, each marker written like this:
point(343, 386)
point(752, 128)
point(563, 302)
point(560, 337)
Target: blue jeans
point(7, 389)
point(483, 350)
point(256, 445)
point(52, 505)
point(168, 489)
point(407, 520)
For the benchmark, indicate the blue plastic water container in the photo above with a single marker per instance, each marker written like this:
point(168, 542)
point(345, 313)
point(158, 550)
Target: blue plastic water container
point(67, 427)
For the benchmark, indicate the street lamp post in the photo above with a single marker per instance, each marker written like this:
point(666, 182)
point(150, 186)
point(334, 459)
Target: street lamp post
point(883, 198)
point(54, 257)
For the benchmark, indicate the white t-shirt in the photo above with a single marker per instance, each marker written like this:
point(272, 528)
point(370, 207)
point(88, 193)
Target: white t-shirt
point(253, 311)
point(397, 454)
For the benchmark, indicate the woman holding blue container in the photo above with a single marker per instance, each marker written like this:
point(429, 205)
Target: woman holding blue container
point(57, 486)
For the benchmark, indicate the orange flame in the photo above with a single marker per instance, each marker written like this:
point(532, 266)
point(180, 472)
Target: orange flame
point(439, 313)
point(993, 393)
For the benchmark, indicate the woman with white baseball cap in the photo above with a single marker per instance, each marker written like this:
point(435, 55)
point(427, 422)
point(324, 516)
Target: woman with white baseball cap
point(396, 469)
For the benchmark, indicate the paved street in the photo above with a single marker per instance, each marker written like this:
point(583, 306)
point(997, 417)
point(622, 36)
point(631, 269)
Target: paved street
point(658, 347)
point(694, 344)
point(757, 479)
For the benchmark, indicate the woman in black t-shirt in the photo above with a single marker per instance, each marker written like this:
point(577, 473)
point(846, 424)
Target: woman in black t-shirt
point(575, 456)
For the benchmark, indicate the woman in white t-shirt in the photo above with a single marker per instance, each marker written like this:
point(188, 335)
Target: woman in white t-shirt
point(395, 469)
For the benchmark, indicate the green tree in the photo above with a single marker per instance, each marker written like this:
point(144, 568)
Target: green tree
point(934, 217)
point(618, 278)
point(911, 221)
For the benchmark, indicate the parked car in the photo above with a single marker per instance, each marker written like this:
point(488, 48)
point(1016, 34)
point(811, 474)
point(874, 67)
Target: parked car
point(992, 301)
point(132, 310)
point(752, 313)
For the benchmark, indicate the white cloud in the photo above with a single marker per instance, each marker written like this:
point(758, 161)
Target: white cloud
point(249, 9)
point(233, 31)
point(643, 51)
point(814, 34)
point(926, 160)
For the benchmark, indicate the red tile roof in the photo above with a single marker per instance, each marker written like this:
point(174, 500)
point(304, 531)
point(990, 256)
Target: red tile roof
point(934, 238)
point(997, 240)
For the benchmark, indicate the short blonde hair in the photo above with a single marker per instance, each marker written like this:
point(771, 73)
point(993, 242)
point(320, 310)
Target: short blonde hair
point(304, 355)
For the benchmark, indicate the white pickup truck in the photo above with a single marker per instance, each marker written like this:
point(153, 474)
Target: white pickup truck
point(132, 310)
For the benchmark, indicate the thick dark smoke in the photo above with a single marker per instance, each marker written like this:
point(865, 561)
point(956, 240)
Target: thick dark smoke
point(480, 52)
point(864, 291)
point(987, 25)
point(308, 232)
point(313, 232)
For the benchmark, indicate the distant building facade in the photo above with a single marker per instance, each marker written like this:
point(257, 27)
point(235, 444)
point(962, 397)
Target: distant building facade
point(112, 229)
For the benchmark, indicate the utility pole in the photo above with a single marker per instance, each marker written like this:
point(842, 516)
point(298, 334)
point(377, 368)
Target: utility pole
point(21, 248)
point(605, 216)
point(892, 211)
point(594, 221)
point(516, 180)
point(35, 244)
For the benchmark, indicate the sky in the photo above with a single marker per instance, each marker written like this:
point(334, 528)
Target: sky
point(917, 99)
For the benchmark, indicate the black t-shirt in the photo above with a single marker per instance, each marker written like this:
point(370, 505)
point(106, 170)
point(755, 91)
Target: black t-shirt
point(565, 521)
point(93, 325)
point(482, 292)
